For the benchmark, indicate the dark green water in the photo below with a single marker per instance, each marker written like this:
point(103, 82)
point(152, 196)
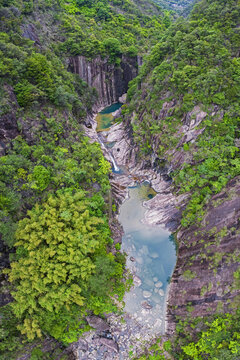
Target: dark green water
point(105, 117)
point(112, 108)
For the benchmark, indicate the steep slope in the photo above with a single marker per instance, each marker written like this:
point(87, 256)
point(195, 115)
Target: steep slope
point(184, 113)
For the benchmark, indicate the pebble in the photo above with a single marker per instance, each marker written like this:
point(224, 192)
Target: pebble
point(147, 294)
point(155, 279)
point(159, 284)
point(137, 281)
point(146, 312)
point(161, 292)
point(154, 255)
point(146, 305)
point(149, 282)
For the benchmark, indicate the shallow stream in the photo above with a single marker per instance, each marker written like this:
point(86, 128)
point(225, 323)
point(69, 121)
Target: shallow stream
point(150, 249)
point(151, 259)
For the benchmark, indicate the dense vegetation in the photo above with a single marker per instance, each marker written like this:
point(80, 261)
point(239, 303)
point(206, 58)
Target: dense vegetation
point(215, 338)
point(61, 256)
point(196, 67)
point(54, 184)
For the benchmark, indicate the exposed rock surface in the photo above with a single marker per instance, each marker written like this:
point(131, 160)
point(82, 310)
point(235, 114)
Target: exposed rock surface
point(110, 81)
point(207, 259)
point(97, 323)
point(208, 255)
point(125, 334)
point(30, 32)
point(8, 120)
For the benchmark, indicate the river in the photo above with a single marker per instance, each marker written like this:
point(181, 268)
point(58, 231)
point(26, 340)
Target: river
point(151, 253)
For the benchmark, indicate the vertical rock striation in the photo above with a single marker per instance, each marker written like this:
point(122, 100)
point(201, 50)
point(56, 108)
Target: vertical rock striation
point(110, 81)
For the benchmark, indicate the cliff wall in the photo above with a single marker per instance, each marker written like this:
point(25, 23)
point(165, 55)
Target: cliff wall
point(205, 280)
point(110, 80)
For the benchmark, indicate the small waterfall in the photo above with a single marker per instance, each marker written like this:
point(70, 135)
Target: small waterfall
point(115, 167)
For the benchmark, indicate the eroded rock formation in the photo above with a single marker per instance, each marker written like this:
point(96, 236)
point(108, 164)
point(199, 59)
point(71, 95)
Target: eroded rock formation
point(208, 256)
point(110, 81)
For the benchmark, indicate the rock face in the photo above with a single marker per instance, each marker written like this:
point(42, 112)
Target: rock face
point(8, 120)
point(30, 32)
point(208, 254)
point(207, 259)
point(110, 81)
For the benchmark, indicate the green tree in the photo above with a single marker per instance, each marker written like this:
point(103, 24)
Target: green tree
point(113, 48)
point(60, 246)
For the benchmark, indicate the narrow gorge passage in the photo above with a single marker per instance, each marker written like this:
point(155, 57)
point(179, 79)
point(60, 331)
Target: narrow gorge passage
point(151, 253)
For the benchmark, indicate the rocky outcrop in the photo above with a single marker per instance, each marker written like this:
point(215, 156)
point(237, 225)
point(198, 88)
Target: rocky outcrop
point(8, 120)
point(30, 32)
point(208, 253)
point(124, 334)
point(109, 80)
point(203, 281)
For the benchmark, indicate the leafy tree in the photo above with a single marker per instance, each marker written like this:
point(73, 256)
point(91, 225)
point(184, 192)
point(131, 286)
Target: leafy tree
point(60, 246)
point(113, 48)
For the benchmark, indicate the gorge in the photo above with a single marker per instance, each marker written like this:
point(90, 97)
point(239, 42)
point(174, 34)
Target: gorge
point(119, 125)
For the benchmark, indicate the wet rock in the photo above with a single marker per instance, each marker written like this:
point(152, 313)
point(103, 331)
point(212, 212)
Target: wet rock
point(146, 305)
point(132, 259)
point(137, 281)
point(154, 255)
point(146, 294)
point(116, 114)
point(110, 344)
point(149, 282)
point(97, 323)
point(161, 292)
point(122, 99)
point(146, 313)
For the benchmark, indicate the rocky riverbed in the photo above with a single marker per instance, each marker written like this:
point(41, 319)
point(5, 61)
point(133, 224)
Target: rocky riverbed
point(130, 332)
point(207, 251)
